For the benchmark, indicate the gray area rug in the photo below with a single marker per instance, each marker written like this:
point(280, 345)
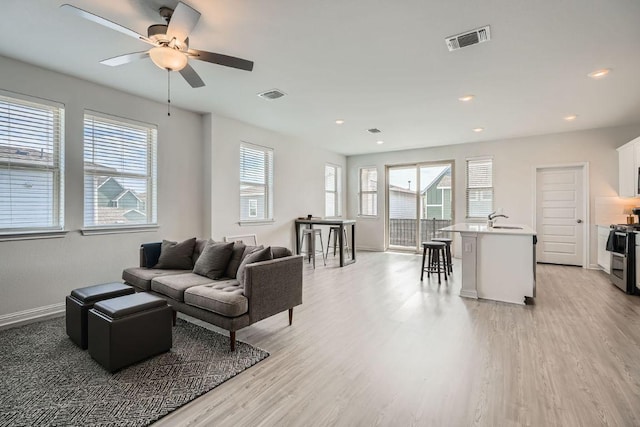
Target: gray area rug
point(45, 380)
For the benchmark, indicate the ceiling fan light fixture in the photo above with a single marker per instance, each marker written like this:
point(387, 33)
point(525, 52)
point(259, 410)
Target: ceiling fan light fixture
point(168, 58)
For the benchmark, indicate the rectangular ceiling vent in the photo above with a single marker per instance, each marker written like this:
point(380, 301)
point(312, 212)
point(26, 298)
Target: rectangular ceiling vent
point(479, 35)
point(272, 94)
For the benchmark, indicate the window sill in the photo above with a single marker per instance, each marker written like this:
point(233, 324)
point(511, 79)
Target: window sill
point(365, 217)
point(256, 222)
point(32, 235)
point(94, 231)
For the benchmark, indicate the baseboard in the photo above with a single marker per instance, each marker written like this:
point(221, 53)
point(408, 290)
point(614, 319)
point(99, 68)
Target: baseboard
point(32, 315)
point(367, 249)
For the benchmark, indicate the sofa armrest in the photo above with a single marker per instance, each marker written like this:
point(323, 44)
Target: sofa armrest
point(149, 254)
point(273, 286)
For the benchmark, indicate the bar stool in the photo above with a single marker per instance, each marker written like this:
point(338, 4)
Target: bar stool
point(311, 233)
point(435, 251)
point(447, 242)
point(334, 231)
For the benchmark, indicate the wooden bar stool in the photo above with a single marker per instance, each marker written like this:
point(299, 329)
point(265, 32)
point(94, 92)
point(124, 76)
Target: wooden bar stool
point(334, 231)
point(447, 242)
point(434, 251)
point(311, 233)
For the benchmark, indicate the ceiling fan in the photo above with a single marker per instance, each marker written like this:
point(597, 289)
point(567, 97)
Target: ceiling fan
point(170, 43)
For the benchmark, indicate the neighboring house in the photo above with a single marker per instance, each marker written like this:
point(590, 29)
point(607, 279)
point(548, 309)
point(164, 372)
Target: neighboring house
point(112, 194)
point(252, 202)
point(113, 203)
point(435, 199)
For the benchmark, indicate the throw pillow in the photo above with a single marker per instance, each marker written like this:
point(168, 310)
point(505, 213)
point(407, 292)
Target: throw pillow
point(236, 259)
point(213, 260)
point(256, 256)
point(280, 252)
point(176, 255)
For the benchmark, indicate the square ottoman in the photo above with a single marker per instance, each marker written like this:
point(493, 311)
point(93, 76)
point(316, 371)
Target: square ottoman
point(82, 300)
point(128, 329)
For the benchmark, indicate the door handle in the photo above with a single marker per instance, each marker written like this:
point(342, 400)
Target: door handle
point(579, 221)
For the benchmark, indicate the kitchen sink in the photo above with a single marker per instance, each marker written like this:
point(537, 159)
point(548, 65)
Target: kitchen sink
point(508, 227)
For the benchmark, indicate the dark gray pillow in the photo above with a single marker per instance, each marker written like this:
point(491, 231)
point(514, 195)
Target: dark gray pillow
point(280, 252)
point(236, 259)
point(176, 255)
point(255, 256)
point(214, 259)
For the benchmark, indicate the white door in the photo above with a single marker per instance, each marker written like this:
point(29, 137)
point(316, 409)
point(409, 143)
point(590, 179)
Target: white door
point(560, 215)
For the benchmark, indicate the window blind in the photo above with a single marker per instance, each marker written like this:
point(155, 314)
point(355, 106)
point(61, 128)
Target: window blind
point(333, 190)
point(31, 164)
point(479, 188)
point(256, 183)
point(368, 192)
point(120, 178)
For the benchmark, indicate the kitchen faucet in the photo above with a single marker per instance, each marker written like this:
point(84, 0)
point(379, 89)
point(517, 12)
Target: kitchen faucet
point(492, 218)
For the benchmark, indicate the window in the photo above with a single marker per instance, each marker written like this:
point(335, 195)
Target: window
point(479, 188)
point(256, 183)
point(368, 191)
point(31, 164)
point(332, 190)
point(120, 176)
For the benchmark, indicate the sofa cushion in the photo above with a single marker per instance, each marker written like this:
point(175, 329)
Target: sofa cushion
point(141, 277)
point(213, 261)
point(151, 254)
point(236, 259)
point(280, 252)
point(176, 255)
point(174, 286)
point(222, 297)
point(256, 256)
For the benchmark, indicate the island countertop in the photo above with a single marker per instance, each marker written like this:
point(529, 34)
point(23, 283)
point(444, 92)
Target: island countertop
point(478, 227)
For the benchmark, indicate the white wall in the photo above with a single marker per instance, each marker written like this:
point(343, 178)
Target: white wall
point(514, 161)
point(298, 180)
point(37, 273)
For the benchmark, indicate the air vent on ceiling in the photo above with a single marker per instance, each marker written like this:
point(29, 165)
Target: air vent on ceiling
point(374, 130)
point(479, 35)
point(272, 94)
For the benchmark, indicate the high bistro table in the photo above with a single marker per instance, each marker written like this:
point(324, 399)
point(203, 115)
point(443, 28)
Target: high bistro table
point(331, 222)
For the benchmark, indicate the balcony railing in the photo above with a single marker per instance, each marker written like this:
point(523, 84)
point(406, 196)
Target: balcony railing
point(402, 232)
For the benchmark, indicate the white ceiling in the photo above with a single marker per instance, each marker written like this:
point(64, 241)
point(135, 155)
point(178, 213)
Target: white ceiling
point(373, 63)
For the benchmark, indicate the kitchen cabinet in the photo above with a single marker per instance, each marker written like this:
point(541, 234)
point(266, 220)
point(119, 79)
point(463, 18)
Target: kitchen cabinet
point(604, 257)
point(629, 169)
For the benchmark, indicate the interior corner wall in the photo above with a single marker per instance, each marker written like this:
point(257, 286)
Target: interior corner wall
point(298, 181)
point(41, 272)
point(514, 163)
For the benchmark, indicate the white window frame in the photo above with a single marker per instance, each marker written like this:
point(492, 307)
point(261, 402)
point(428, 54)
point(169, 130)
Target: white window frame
point(268, 165)
point(151, 175)
point(253, 208)
point(362, 193)
point(469, 163)
point(335, 193)
point(56, 169)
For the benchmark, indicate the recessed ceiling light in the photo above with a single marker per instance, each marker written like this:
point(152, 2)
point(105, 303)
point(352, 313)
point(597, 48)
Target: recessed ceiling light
point(466, 98)
point(598, 74)
point(571, 117)
point(339, 121)
point(379, 142)
point(478, 129)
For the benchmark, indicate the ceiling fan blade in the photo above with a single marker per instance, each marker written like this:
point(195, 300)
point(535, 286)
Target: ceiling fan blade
point(182, 22)
point(191, 76)
point(220, 59)
point(125, 59)
point(105, 22)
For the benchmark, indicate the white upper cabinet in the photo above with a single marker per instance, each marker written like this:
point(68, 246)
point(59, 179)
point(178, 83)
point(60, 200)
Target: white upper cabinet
point(629, 169)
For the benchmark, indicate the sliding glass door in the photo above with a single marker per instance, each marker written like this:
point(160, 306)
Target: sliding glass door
point(420, 203)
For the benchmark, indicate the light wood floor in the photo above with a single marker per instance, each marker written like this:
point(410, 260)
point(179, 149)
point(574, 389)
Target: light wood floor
point(372, 345)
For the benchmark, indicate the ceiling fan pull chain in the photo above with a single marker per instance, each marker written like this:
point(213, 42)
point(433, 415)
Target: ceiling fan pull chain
point(168, 92)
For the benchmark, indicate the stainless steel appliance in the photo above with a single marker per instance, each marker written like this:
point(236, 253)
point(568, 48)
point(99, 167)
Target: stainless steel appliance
point(622, 244)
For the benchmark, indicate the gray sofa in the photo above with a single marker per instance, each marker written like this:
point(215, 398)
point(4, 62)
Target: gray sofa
point(266, 287)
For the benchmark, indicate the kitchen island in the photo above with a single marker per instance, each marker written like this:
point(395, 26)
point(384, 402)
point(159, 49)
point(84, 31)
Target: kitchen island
point(498, 263)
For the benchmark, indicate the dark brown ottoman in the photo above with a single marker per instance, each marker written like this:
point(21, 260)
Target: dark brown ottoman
point(128, 329)
point(83, 299)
